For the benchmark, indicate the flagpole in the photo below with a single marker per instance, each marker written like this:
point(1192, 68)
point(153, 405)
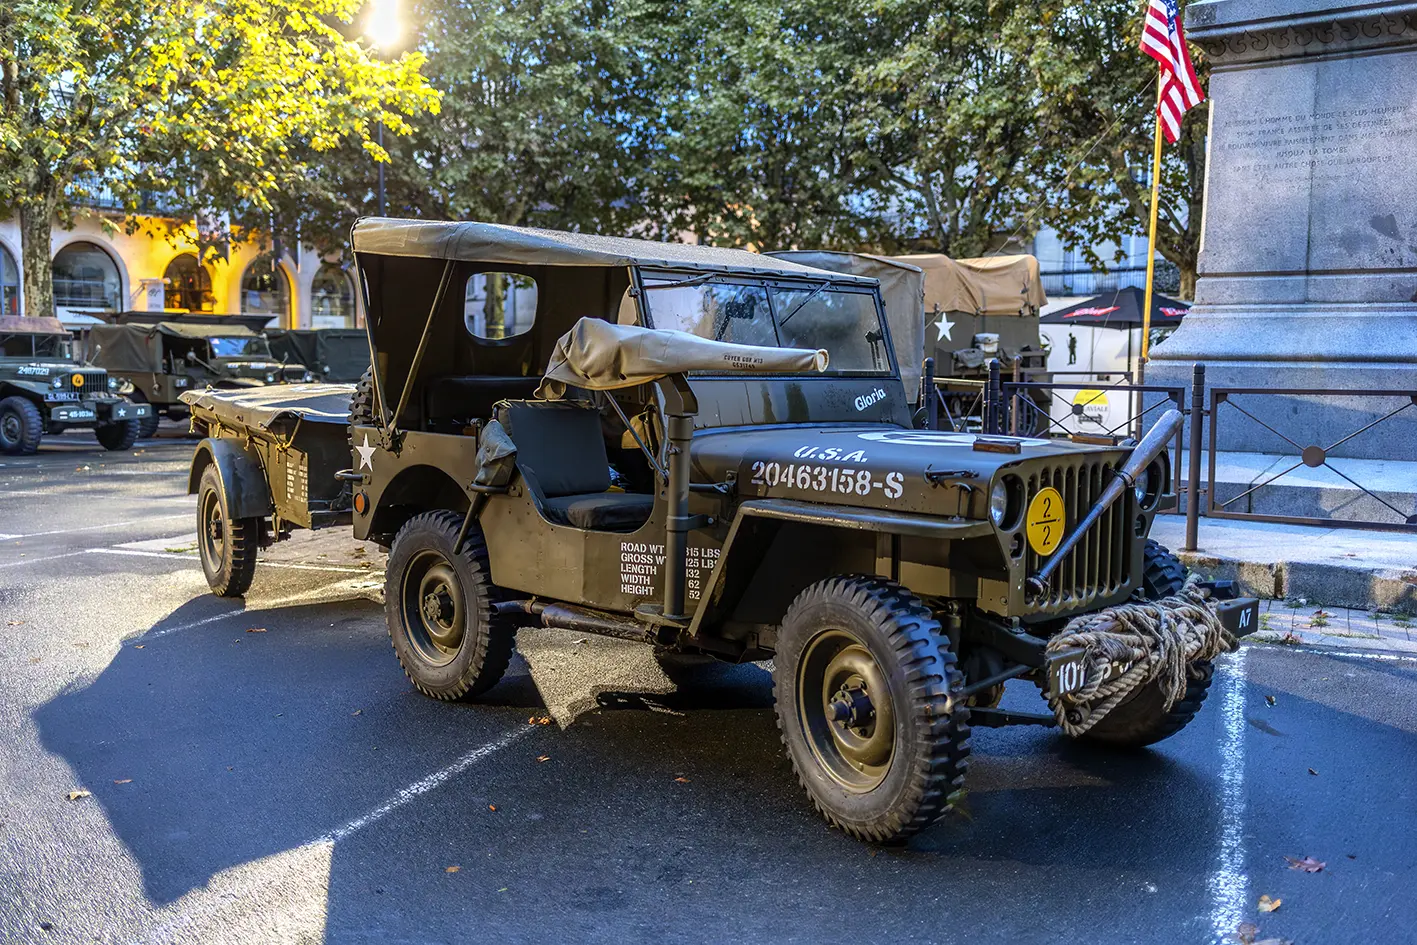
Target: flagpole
point(1151, 236)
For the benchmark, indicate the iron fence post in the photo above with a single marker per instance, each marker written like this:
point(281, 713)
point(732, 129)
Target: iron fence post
point(928, 397)
point(1013, 398)
point(992, 398)
point(1193, 473)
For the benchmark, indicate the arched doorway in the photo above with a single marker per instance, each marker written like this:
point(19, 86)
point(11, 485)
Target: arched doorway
point(265, 290)
point(9, 284)
point(86, 277)
point(187, 285)
point(331, 298)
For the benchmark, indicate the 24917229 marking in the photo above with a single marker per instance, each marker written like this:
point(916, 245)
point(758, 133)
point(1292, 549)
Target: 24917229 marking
point(812, 478)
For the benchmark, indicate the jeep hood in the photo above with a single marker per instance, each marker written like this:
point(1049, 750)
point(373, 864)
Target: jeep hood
point(932, 472)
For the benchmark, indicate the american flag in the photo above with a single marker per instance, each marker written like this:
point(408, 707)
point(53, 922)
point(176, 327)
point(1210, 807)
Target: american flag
point(1164, 40)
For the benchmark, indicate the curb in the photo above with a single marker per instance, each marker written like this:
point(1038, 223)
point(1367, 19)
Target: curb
point(1337, 585)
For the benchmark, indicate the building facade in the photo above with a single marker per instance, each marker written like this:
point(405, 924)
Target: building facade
point(101, 269)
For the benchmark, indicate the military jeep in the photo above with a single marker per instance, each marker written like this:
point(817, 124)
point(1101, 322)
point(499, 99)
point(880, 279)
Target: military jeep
point(709, 451)
point(43, 390)
point(163, 354)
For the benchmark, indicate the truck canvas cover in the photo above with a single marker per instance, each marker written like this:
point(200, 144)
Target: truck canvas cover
point(596, 355)
point(991, 285)
point(31, 325)
point(345, 351)
point(138, 347)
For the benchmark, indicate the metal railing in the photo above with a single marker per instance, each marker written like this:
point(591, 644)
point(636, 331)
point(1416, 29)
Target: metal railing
point(1309, 455)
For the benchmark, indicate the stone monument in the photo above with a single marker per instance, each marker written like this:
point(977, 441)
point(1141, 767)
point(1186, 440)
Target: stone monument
point(1308, 262)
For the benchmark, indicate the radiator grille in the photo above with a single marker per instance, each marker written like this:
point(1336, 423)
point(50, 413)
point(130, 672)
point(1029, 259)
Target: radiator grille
point(1100, 563)
point(95, 382)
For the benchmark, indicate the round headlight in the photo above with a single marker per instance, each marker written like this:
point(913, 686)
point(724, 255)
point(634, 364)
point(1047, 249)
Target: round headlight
point(1149, 486)
point(998, 502)
point(57, 383)
point(270, 378)
point(113, 383)
point(1142, 485)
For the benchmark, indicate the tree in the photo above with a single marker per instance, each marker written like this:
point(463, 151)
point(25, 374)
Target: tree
point(1096, 118)
point(220, 106)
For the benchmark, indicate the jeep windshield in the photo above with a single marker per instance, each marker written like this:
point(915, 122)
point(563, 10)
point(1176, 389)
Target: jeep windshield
point(845, 320)
point(35, 346)
point(240, 348)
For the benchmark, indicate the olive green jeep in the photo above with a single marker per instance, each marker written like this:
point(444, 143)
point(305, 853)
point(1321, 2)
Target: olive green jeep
point(44, 391)
point(711, 452)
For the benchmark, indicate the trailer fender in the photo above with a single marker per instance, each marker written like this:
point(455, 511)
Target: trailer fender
point(242, 477)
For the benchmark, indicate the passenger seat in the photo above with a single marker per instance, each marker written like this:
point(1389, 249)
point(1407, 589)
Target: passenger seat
point(561, 455)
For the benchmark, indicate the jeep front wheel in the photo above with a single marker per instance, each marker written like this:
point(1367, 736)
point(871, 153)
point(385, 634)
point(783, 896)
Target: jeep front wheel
point(439, 601)
point(227, 546)
point(863, 680)
point(21, 426)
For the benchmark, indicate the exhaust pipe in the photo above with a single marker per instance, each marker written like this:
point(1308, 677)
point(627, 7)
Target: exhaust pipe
point(1151, 446)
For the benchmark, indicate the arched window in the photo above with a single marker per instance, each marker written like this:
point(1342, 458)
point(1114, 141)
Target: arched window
point(265, 290)
point(9, 284)
point(188, 285)
point(331, 298)
point(86, 277)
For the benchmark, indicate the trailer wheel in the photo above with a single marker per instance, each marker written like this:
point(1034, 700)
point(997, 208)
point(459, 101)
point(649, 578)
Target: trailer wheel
point(438, 604)
point(120, 435)
point(227, 546)
point(21, 426)
point(1141, 720)
point(863, 680)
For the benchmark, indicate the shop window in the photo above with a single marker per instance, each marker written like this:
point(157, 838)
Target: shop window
point(331, 298)
point(265, 290)
point(187, 285)
point(9, 284)
point(86, 277)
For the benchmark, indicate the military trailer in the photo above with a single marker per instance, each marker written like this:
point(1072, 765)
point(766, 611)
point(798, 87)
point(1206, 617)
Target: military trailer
point(332, 355)
point(164, 354)
point(710, 452)
point(44, 391)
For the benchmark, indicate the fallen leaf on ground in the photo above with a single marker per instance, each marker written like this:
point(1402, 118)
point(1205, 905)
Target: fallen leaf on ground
point(452, 869)
point(539, 720)
point(543, 758)
point(140, 646)
point(1312, 771)
point(357, 712)
point(681, 780)
point(255, 629)
point(76, 795)
point(34, 659)
point(1267, 904)
point(1307, 865)
point(124, 781)
point(14, 623)
point(1269, 700)
point(491, 806)
point(1246, 933)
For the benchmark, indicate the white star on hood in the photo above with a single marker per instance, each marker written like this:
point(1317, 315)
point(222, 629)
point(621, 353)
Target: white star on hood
point(366, 454)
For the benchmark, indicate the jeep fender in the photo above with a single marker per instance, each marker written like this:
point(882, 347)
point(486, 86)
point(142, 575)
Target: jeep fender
point(243, 479)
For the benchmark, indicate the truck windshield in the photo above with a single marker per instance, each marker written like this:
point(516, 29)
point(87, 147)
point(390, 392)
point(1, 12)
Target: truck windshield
point(35, 346)
point(240, 347)
point(844, 321)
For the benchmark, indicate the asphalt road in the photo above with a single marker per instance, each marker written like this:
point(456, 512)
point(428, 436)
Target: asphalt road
point(289, 786)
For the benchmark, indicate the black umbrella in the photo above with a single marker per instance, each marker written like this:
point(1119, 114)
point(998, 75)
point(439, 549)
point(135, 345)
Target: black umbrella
point(1120, 309)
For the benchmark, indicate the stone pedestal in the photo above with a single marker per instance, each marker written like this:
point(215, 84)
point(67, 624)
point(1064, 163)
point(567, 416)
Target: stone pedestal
point(1308, 264)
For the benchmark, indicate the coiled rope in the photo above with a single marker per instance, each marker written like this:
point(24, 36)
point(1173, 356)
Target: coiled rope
point(1160, 640)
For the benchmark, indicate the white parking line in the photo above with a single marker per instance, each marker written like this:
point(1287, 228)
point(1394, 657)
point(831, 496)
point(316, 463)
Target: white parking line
point(1356, 654)
point(1229, 884)
point(94, 528)
point(423, 786)
point(43, 558)
point(192, 557)
point(336, 593)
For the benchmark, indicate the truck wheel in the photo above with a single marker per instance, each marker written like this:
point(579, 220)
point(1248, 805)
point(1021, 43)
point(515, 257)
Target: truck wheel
point(862, 679)
point(438, 604)
point(1140, 721)
point(117, 436)
point(227, 546)
point(21, 426)
point(147, 426)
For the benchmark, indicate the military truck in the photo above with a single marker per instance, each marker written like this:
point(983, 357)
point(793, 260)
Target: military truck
point(710, 451)
point(163, 354)
point(44, 391)
point(332, 355)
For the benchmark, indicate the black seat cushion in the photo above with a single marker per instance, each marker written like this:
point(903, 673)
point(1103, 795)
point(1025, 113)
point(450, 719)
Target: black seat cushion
point(602, 511)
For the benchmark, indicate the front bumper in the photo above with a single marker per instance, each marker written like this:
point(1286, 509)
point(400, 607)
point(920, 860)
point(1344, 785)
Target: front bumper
point(97, 412)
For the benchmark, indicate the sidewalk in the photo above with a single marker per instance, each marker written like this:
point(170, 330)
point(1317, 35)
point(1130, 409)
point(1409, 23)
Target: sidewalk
point(1302, 622)
point(1341, 568)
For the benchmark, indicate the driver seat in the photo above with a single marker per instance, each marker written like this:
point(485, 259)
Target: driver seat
point(561, 455)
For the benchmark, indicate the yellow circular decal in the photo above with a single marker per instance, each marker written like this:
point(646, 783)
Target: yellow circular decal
point(77, 380)
point(1045, 521)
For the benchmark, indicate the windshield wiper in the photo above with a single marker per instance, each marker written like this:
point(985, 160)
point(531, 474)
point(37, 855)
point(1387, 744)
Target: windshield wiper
point(798, 307)
point(692, 280)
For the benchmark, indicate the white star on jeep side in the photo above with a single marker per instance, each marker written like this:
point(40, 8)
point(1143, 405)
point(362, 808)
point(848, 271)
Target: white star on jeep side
point(366, 454)
point(944, 326)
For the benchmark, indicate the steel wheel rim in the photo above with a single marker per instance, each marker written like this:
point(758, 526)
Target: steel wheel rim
point(838, 672)
point(213, 535)
point(434, 608)
point(10, 427)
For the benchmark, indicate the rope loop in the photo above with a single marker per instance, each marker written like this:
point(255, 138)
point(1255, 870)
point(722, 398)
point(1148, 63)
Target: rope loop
point(1156, 641)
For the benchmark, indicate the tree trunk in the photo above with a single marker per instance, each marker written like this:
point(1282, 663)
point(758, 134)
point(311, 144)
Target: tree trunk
point(36, 225)
point(1188, 282)
point(495, 307)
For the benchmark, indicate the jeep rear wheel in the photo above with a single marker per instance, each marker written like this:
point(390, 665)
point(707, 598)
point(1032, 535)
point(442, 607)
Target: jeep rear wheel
point(120, 435)
point(439, 607)
point(1143, 719)
point(226, 546)
point(21, 426)
point(863, 679)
